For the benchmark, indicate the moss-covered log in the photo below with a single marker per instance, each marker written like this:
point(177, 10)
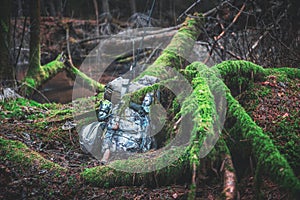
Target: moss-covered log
point(268, 156)
point(36, 78)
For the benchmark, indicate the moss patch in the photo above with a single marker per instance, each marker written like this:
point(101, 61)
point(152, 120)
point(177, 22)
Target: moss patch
point(20, 154)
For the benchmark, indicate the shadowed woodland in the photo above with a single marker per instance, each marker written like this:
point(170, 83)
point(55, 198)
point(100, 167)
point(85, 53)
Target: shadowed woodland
point(244, 76)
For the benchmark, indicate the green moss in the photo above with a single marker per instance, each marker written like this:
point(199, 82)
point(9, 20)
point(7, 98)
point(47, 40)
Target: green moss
point(285, 73)
point(239, 67)
point(83, 78)
point(20, 108)
point(239, 75)
point(178, 50)
point(20, 154)
point(105, 176)
point(263, 148)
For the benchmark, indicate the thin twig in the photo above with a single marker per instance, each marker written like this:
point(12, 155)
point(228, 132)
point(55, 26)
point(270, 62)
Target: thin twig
point(68, 43)
point(24, 83)
point(232, 23)
point(210, 12)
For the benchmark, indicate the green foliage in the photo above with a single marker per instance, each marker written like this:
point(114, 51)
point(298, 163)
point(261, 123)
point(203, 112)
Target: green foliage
point(20, 108)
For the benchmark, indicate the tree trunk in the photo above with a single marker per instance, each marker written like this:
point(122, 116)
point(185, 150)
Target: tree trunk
point(133, 6)
point(97, 17)
point(35, 52)
point(105, 7)
point(7, 72)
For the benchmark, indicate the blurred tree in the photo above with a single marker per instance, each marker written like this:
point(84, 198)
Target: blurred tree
point(133, 6)
point(7, 71)
point(105, 7)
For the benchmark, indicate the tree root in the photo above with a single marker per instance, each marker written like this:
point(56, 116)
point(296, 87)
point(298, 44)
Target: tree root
point(269, 157)
point(22, 156)
point(83, 79)
point(203, 117)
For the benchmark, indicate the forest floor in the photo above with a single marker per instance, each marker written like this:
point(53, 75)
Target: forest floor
point(40, 128)
point(274, 105)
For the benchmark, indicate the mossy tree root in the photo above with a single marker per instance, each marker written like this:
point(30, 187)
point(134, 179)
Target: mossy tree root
point(239, 74)
point(252, 71)
point(22, 156)
point(179, 48)
point(266, 153)
point(82, 79)
point(200, 108)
